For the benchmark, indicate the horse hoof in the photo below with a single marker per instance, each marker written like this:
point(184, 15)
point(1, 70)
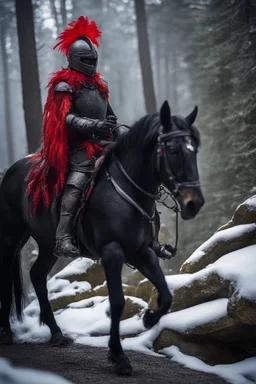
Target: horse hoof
point(6, 337)
point(58, 340)
point(150, 318)
point(122, 364)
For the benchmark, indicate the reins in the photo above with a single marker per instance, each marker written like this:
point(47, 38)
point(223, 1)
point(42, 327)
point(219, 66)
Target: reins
point(163, 143)
point(126, 197)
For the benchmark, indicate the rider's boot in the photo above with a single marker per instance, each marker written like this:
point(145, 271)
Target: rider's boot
point(65, 246)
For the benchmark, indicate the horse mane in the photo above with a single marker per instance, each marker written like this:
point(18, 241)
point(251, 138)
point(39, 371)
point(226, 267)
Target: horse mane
point(141, 135)
point(144, 133)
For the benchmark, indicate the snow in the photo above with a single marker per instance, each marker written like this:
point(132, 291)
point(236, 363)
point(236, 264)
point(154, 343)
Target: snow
point(76, 267)
point(87, 321)
point(243, 372)
point(238, 266)
point(250, 203)
point(185, 320)
point(68, 289)
point(224, 235)
point(11, 375)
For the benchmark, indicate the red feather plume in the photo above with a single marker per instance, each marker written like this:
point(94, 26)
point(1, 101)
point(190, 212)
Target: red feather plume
point(78, 28)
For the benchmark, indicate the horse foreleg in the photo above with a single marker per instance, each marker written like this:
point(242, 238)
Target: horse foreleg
point(112, 260)
point(38, 275)
point(148, 265)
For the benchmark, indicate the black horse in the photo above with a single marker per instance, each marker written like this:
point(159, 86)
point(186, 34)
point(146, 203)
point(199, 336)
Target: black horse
point(116, 225)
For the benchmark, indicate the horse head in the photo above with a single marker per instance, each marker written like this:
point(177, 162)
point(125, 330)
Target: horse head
point(179, 141)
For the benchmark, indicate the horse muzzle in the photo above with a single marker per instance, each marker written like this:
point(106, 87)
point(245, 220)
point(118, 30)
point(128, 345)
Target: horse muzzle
point(191, 201)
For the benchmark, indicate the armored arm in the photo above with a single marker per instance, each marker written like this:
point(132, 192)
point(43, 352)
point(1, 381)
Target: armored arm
point(83, 125)
point(119, 129)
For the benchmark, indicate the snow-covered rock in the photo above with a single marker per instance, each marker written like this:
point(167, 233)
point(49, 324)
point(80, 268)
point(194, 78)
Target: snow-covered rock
point(216, 293)
point(238, 233)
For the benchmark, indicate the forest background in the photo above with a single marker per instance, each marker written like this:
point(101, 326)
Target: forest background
point(202, 52)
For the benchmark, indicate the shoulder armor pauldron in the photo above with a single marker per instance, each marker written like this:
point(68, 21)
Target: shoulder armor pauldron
point(62, 87)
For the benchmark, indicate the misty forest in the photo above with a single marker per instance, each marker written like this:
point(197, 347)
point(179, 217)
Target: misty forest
point(197, 52)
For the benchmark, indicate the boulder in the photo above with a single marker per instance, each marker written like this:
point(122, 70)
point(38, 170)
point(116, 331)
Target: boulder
point(242, 309)
point(94, 274)
point(223, 242)
point(63, 301)
point(245, 212)
point(238, 233)
point(210, 351)
point(144, 290)
point(218, 278)
point(200, 290)
point(132, 276)
point(131, 309)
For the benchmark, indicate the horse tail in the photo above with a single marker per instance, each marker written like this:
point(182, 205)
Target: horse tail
point(10, 279)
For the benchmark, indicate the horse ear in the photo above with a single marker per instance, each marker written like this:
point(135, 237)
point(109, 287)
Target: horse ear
point(192, 116)
point(165, 117)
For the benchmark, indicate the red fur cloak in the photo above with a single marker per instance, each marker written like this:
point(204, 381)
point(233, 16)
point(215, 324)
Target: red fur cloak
point(49, 166)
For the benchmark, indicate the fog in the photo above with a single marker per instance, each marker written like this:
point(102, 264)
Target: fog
point(202, 53)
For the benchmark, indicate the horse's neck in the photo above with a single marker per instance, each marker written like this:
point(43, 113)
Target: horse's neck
point(142, 171)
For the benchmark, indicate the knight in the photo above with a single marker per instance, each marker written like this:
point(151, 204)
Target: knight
point(78, 123)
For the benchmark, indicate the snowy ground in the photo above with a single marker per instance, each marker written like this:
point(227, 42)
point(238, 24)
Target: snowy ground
point(87, 321)
point(12, 375)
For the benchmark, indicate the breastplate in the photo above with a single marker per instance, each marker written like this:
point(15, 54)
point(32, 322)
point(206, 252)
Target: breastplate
point(90, 103)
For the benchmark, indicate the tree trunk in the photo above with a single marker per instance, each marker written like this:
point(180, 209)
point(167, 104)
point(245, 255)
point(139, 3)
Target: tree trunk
point(7, 110)
point(63, 11)
point(55, 15)
point(29, 73)
point(144, 54)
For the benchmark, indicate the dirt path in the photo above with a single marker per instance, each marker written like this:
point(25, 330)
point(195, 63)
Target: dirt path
point(82, 364)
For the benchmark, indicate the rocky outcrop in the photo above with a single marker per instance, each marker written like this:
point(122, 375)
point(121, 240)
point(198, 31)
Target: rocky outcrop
point(210, 351)
point(238, 233)
point(222, 270)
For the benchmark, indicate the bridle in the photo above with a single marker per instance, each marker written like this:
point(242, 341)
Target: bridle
point(163, 143)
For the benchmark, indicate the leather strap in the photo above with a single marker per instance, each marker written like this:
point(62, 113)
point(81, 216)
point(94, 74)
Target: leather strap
point(126, 197)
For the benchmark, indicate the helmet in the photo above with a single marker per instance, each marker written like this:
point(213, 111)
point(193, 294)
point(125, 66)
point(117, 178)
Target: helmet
point(82, 56)
point(78, 42)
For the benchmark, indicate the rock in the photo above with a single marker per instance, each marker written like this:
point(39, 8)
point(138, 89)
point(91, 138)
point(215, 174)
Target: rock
point(132, 277)
point(63, 301)
point(225, 240)
point(94, 275)
point(210, 351)
point(131, 309)
point(129, 290)
point(152, 303)
point(242, 309)
point(200, 290)
point(224, 244)
point(249, 347)
point(245, 212)
point(144, 290)
point(236, 333)
point(210, 327)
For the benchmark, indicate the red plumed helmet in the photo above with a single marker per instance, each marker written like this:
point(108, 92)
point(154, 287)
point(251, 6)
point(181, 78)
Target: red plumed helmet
point(81, 27)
